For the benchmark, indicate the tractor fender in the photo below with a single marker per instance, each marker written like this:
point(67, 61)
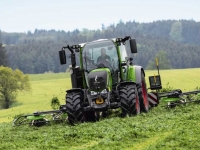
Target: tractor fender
point(75, 90)
point(126, 83)
point(138, 72)
point(134, 74)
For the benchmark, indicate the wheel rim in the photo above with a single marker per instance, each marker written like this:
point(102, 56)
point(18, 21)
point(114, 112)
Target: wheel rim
point(144, 94)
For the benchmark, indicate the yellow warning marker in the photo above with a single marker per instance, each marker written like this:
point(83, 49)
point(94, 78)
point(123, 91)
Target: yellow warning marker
point(156, 61)
point(155, 78)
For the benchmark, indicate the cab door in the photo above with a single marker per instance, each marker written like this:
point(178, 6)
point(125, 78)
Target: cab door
point(123, 54)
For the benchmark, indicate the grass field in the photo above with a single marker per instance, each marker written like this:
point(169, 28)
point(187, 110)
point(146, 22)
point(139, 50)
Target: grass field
point(159, 129)
point(162, 129)
point(45, 86)
point(184, 79)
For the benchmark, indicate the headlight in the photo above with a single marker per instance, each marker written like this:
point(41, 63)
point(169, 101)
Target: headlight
point(95, 93)
point(104, 91)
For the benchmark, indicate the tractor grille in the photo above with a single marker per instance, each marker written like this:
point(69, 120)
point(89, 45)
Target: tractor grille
point(97, 80)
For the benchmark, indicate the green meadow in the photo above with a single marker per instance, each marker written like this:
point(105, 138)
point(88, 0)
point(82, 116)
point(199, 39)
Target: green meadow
point(161, 128)
point(184, 79)
point(46, 86)
point(43, 88)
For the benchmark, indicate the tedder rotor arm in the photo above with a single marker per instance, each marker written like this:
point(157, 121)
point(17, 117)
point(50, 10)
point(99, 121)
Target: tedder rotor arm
point(177, 93)
point(40, 118)
point(176, 97)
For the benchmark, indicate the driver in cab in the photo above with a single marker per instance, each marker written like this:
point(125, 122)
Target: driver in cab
point(103, 56)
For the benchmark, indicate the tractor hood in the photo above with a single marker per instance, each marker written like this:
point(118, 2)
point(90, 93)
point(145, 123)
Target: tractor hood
point(99, 79)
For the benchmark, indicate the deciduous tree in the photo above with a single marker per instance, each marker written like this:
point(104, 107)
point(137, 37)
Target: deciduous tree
point(176, 32)
point(164, 63)
point(11, 82)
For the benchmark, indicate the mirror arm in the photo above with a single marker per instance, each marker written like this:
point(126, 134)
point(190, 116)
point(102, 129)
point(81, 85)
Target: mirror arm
point(73, 60)
point(73, 57)
point(71, 50)
point(126, 38)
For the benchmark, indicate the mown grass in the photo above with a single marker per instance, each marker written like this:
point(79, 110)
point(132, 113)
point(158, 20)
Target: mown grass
point(159, 129)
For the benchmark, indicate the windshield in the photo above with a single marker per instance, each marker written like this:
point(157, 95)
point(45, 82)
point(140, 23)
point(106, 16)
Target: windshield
point(101, 54)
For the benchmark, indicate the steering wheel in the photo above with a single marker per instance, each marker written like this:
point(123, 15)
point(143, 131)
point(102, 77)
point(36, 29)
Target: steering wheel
point(104, 64)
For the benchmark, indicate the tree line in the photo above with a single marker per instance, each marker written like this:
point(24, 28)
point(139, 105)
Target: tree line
point(37, 52)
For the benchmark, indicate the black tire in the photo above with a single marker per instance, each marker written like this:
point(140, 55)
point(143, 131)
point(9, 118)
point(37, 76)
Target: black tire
point(129, 100)
point(73, 105)
point(143, 97)
point(39, 123)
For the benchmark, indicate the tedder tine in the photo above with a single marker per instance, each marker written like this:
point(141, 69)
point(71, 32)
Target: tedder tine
point(21, 120)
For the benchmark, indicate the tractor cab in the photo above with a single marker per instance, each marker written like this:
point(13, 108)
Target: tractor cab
point(100, 54)
point(100, 60)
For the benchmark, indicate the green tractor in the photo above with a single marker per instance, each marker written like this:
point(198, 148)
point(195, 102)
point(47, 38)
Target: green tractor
point(106, 79)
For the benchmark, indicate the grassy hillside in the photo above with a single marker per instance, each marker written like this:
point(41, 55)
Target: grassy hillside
point(45, 86)
point(159, 129)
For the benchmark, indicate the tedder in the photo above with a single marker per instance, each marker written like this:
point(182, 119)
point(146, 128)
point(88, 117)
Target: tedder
point(105, 79)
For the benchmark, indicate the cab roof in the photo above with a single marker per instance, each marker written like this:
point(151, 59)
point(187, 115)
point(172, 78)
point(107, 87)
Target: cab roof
point(83, 44)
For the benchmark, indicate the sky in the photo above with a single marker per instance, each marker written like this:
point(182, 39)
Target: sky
point(68, 15)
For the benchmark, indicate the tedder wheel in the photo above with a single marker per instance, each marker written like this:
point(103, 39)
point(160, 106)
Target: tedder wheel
point(39, 122)
point(130, 103)
point(73, 105)
point(142, 93)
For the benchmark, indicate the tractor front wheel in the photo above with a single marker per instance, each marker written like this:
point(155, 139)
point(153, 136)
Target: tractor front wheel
point(74, 109)
point(130, 103)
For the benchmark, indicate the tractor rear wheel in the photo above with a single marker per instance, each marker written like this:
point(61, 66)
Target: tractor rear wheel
point(73, 105)
point(142, 93)
point(129, 100)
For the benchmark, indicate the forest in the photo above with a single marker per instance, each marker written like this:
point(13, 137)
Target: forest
point(178, 41)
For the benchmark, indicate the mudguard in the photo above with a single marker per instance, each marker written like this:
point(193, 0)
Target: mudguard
point(138, 73)
point(134, 74)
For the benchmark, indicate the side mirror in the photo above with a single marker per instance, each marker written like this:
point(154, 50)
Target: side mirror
point(133, 46)
point(62, 56)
